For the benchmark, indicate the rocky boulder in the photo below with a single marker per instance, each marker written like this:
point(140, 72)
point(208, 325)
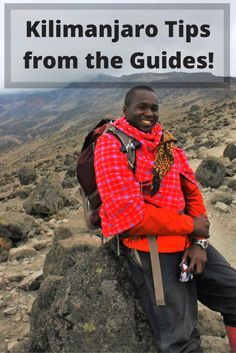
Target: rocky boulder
point(194, 107)
point(87, 303)
point(69, 159)
point(202, 152)
point(15, 226)
point(211, 172)
point(72, 171)
point(224, 197)
point(232, 184)
point(61, 233)
point(27, 175)
point(47, 198)
point(230, 151)
point(69, 182)
point(89, 307)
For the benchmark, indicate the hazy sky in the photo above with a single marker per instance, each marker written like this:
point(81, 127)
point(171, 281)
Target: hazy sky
point(233, 25)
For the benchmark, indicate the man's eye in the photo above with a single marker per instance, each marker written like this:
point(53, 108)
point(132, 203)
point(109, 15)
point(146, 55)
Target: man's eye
point(155, 109)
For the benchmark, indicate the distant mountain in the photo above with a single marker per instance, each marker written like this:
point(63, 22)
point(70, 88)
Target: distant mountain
point(28, 116)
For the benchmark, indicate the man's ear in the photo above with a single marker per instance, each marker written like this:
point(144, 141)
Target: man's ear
point(125, 109)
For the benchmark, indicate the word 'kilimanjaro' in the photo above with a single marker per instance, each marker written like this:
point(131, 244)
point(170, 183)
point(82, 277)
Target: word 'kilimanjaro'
point(54, 28)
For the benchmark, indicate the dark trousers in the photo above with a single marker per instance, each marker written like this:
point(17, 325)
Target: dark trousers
point(174, 325)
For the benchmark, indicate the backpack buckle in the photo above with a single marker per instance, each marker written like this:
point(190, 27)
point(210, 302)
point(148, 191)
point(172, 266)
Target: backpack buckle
point(126, 148)
point(132, 145)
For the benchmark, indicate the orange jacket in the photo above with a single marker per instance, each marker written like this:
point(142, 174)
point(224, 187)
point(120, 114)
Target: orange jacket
point(171, 228)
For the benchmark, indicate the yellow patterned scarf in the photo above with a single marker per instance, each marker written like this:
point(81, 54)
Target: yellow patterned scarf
point(163, 161)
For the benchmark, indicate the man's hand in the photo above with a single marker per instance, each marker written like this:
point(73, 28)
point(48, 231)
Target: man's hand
point(201, 227)
point(197, 257)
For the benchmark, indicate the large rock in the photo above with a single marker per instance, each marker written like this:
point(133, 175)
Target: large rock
point(211, 172)
point(27, 175)
point(232, 184)
point(61, 233)
point(92, 308)
point(69, 182)
point(47, 198)
point(70, 159)
point(22, 252)
point(202, 152)
point(194, 107)
point(224, 197)
point(72, 171)
point(230, 151)
point(15, 226)
point(89, 304)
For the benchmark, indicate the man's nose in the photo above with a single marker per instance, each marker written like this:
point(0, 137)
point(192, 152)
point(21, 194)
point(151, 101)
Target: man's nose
point(148, 112)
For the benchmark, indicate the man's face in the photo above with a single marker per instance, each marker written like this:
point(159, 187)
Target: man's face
point(142, 112)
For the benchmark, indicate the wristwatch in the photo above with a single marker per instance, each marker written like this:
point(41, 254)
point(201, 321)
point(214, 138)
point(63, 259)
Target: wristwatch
point(201, 242)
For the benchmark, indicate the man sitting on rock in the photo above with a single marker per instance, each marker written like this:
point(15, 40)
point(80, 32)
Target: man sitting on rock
point(161, 199)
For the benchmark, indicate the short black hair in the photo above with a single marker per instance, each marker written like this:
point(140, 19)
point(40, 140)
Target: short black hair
point(131, 93)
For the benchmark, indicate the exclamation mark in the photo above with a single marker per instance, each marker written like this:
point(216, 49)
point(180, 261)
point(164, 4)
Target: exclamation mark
point(211, 56)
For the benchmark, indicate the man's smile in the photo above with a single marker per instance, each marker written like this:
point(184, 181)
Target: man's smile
point(146, 121)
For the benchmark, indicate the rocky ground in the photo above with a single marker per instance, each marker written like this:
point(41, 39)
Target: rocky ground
point(40, 205)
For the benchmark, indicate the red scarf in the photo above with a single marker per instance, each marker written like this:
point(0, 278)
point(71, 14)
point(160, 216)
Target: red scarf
point(122, 201)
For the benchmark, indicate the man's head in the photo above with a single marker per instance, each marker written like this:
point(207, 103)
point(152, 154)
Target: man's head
point(141, 107)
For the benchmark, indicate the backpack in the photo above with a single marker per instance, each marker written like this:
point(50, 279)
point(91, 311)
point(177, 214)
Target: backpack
point(86, 172)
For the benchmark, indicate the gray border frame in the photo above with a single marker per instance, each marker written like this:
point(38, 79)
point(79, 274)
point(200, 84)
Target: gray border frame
point(217, 82)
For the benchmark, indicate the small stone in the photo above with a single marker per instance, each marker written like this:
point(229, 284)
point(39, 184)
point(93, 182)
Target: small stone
point(62, 232)
point(27, 261)
point(12, 347)
point(25, 333)
point(29, 306)
point(4, 255)
point(202, 153)
point(10, 311)
point(205, 190)
point(2, 304)
point(51, 226)
point(39, 221)
point(25, 318)
point(223, 188)
point(9, 289)
point(222, 197)
point(222, 207)
point(3, 283)
point(232, 184)
point(15, 262)
point(27, 273)
point(44, 228)
point(52, 221)
point(22, 252)
point(18, 317)
point(32, 282)
point(229, 172)
point(229, 140)
point(42, 244)
point(15, 277)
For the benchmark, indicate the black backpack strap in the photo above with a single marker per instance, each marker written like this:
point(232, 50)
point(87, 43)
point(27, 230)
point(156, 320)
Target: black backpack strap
point(128, 144)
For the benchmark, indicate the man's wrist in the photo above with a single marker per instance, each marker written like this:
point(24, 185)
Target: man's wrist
point(203, 243)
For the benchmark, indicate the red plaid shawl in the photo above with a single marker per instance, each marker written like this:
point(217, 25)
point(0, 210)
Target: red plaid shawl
point(122, 200)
